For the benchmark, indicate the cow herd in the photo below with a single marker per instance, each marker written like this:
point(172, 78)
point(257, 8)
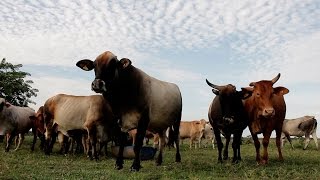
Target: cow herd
point(134, 104)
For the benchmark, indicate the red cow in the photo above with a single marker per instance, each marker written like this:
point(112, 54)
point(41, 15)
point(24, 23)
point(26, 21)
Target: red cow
point(266, 110)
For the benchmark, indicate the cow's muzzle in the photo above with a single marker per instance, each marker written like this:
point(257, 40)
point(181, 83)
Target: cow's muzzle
point(268, 112)
point(98, 86)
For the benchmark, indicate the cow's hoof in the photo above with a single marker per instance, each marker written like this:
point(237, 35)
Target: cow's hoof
point(135, 168)
point(118, 167)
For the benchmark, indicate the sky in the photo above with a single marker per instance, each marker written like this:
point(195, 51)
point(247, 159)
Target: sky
point(184, 42)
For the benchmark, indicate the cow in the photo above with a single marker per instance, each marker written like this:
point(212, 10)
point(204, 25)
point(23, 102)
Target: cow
point(38, 124)
point(227, 116)
point(193, 130)
point(302, 126)
point(266, 110)
point(138, 100)
point(64, 113)
point(15, 121)
point(208, 134)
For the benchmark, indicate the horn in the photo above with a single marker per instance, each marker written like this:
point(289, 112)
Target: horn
point(252, 84)
point(274, 80)
point(212, 85)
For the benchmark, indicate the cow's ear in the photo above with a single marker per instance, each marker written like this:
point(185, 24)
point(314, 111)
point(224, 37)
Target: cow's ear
point(85, 64)
point(215, 91)
point(281, 90)
point(124, 63)
point(7, 104)
point(246, 93)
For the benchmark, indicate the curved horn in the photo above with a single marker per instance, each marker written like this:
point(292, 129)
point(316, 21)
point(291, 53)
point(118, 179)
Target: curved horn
point(213, 85)
point(274, 80)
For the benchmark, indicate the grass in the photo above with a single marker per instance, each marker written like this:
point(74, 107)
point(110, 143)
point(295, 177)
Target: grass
point(196, 164)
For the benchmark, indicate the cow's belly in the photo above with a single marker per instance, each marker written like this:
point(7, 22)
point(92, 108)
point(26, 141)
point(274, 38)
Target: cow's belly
point(70, 121)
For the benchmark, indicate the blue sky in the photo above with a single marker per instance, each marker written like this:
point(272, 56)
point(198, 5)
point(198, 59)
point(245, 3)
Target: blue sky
point(183, 42)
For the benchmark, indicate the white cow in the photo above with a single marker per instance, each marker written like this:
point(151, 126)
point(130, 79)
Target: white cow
point(14, 120)
point(303, 126)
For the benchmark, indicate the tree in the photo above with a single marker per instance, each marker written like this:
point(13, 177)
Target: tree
point(13, 87)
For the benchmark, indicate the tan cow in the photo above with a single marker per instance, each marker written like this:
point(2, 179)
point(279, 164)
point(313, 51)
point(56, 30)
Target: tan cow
point(302, 126)
point(90, 113)
point(193, 130)
point(208, 134)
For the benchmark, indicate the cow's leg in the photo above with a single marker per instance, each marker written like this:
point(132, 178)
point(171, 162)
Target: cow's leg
point(122, 140)
point(141, 131)
point(34, 132)
point(161, 146)
point(225, 150)
point(92, 136)
point(21, 138)
point(219, 143)
point(314, 136)
point(176, 138)
point(191, 143)
point(306, 141)
point(265, 143)
point(257, 146)
point(289, 139)
point(278, 143)
point(236, 147)
point(10, 137)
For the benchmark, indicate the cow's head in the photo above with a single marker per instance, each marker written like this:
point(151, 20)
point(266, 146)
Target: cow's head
point(262, 94)
point(106, 67)
point(230, 100)
point(3, 104)
point(38, 120)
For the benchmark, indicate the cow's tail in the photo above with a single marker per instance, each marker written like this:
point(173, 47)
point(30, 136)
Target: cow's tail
point(315, 125)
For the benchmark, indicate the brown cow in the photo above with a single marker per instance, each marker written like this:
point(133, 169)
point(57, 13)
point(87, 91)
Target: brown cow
point(193, 130)
point(138, 100)
point(38, 123)
point(266, 110)
point(90, 113)
point(227, 116)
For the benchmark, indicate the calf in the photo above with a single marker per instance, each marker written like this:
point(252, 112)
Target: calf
point(208, 134)
point(90, 113)
point(227, 116)
point(302, 126)
point(193, 130)
point(15, 121)
point(266, 110)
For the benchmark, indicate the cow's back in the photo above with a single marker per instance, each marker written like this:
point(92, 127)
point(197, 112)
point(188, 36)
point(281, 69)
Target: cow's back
point(71, 112)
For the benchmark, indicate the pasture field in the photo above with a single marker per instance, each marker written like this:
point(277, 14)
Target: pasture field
point(196, 164)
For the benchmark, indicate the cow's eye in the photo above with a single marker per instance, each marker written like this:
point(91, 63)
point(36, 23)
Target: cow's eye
point(258, 94)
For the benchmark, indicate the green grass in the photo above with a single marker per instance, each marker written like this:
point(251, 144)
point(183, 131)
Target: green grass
point(196, 164)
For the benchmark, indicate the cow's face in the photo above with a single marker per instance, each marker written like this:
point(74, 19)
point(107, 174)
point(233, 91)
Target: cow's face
point(230, 101)
point(3, 104)
point(263, 93)
point(106, 67)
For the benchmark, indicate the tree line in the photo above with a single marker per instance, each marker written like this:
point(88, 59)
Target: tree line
point(14, 86)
